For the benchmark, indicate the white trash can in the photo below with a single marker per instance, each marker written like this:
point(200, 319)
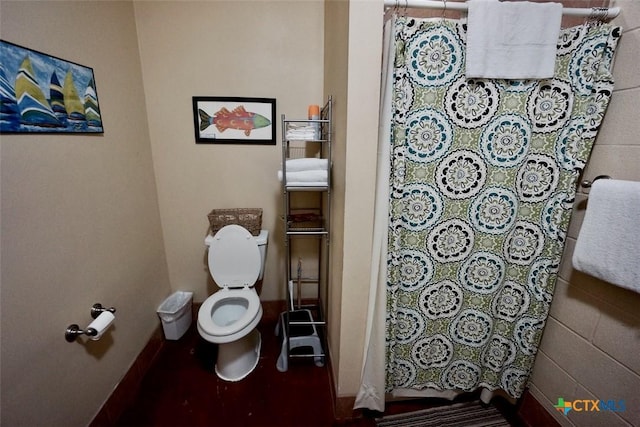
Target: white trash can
point(175, 313)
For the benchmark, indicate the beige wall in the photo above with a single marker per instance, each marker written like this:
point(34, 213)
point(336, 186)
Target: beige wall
point(291, 67)
point(335, 82)
point(271, 49)
point(363, 88)
point(591, 345)
point(80, 224)
point(353, 46)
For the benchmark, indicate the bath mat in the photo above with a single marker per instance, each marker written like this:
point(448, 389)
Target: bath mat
point(467, 414)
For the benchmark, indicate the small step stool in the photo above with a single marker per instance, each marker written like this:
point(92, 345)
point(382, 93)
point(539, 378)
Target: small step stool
point(301, 336)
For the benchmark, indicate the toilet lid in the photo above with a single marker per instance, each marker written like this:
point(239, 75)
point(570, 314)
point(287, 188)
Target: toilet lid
point(234, 257)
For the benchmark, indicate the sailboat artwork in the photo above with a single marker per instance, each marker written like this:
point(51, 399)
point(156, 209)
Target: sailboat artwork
point(40, 93)
point(8, 104)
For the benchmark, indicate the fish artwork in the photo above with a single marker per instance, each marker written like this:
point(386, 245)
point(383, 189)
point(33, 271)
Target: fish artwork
point(238, 118)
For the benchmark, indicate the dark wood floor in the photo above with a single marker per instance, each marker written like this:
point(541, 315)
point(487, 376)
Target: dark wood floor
point(182, 389)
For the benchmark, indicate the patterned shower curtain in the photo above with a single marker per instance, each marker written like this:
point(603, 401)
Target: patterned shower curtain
point(483, 177)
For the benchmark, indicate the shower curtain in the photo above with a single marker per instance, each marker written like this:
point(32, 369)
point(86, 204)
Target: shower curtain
point(476, 182)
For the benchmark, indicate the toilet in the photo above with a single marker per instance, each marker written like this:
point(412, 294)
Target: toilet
point(229, 317)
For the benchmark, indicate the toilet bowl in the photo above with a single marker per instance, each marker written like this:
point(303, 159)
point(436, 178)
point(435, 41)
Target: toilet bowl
point(229, 317)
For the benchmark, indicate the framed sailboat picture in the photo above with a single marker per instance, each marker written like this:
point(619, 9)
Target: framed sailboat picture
point(234, 120)
point(40, 93)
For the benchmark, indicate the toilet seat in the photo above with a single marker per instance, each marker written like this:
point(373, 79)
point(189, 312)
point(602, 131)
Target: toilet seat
point(234, 258)
point(241, 320)
point(234, 263)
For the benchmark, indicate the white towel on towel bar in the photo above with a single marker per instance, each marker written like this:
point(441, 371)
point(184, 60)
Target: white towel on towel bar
point(608, 245)
point(512, 40)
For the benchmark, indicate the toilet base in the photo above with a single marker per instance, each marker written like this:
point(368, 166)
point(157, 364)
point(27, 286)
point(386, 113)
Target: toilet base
point(239, 358)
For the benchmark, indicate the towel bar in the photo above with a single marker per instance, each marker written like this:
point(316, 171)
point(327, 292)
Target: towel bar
point(587, 184)
point(585, 12)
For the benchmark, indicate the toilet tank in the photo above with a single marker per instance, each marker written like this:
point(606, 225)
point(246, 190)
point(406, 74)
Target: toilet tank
point(262, 239)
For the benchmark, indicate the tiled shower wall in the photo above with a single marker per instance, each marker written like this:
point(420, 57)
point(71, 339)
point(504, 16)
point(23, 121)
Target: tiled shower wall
point(591, 345)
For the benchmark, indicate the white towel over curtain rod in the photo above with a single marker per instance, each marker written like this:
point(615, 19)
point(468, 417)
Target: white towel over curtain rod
point(596, 13)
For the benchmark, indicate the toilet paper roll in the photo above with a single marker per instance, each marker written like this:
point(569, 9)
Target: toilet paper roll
point(101, 324)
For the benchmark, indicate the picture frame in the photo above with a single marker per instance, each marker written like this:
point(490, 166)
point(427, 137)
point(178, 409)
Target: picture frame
point(41, 93)
point(234, 120)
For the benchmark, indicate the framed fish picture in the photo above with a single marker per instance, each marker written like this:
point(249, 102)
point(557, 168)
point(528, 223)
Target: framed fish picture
point(234, 120)
point(40, 93)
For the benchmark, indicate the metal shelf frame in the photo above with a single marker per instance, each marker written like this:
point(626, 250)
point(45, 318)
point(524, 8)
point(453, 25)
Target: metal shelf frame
point(314, 223)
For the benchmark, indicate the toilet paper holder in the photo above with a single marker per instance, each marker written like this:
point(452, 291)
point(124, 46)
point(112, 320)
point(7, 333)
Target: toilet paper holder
point(73, 331)
point(97, 309)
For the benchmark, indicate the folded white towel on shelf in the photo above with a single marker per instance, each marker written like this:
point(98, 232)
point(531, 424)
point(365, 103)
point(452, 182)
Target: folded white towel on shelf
point(318, 177)
point(300, 136)
point(301, 132)
point(608, 245)
point(512, 40)
point(306, 184)
point(306, 163)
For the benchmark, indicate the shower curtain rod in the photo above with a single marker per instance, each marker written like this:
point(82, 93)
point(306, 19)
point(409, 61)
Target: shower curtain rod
point(601, 13)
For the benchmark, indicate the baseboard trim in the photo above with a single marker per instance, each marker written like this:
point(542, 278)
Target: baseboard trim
point(533, 414)
point(126, 391)
point(343, 411)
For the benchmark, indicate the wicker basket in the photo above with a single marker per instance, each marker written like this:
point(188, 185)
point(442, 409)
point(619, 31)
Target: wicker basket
point(249, 218)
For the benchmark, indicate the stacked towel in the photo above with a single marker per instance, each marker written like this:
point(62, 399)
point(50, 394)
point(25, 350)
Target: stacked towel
point(608, 245)
point(512, 40)
point(301, 132)
point(307, 164)
point(317, 177)
point(306, 172)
